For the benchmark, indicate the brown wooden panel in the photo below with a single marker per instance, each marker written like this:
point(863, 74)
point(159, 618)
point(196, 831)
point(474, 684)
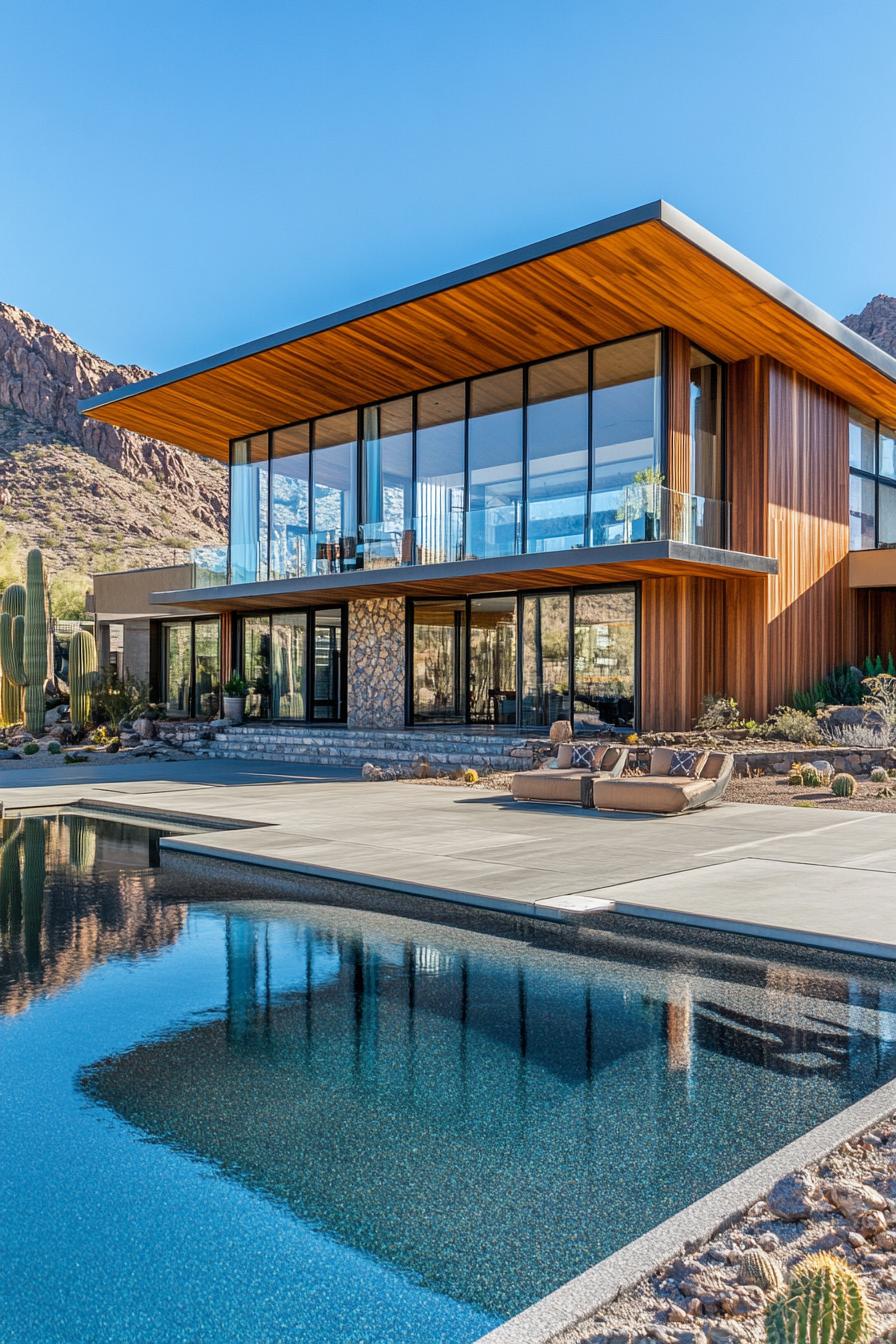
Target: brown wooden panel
point(641, 277)
point(873, 630)
point(678, 402)
point(808, 531)
point(746, 645)
point(682, 649)
point(747, 454)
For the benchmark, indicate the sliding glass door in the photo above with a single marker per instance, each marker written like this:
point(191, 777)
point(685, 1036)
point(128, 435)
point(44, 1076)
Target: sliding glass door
point(191, 667)
point(523, 661)
point(293, 663)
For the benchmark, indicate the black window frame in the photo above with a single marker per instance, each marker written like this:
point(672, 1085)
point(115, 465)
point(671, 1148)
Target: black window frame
point(877, 480)
point(162, 677)
point(309, 612)
point(571, 592)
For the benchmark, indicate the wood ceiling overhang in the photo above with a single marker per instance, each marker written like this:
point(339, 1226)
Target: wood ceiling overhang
point(648, 268)
point(518, 573)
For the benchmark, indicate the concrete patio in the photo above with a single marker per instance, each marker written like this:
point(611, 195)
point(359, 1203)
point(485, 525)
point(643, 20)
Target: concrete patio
point(790, 874)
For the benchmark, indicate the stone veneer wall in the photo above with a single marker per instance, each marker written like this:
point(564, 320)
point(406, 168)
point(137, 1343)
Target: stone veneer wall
point(376, 663)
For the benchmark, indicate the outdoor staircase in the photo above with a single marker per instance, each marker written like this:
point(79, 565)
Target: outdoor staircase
point(354, 747)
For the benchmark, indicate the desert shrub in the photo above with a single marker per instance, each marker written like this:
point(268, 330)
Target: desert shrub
point(843, 786)
point(718, 713)
point(792, 725)
point(879, 775)
point(843, 686)
point(115, 698)
point(868, 735)
point(54, 749)
point(75, 757)
point(880, 700)
point(471, 777)
point(113, 745)
point(30, 749)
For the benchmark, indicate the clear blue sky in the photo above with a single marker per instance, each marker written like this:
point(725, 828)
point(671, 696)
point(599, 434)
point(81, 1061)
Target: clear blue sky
point(179, 177)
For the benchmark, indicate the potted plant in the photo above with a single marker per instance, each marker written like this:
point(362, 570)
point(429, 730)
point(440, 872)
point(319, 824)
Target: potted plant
point(234, 697)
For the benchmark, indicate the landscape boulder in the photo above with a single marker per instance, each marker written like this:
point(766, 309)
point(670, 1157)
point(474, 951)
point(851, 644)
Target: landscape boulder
point(791, 1198)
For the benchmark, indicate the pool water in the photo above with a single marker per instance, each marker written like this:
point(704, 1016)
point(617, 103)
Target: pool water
point(236, 1119)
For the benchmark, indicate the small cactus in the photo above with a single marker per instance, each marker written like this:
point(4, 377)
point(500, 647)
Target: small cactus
point(795, 778)
point(879, 775)
point(757, 1267)
point(82, 666)
point(810, 776)
point(843, 786)
point(471, 777)
point(822, 1304)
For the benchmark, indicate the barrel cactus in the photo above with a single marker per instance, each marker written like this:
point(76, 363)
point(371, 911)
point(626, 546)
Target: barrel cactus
point(795, 777)
point(823, 1303)
point(82, 666)
point(879, 775)
point(36, 658)
point(757, 1267)
point(843, 786)
point(810, 776)
point(12, 637)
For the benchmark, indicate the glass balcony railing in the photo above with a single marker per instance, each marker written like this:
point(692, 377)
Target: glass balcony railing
point(654, 513)
point(615, 517)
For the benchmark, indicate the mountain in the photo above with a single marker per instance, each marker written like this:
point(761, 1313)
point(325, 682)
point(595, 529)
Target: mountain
point(91, 496)
point(876, 321)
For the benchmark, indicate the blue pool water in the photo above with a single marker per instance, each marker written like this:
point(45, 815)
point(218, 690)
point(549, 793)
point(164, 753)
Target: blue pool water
point(262, 1120)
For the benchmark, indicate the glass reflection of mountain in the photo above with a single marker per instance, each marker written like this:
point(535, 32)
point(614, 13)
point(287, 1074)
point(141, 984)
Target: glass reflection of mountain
point(485, 1123)
point(75, 891)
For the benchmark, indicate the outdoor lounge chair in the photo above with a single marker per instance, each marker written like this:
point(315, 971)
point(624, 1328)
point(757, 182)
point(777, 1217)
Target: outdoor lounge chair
point(661, 791)
point(561, 782)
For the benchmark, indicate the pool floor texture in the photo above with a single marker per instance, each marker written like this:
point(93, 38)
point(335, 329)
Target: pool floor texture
point(242, 1118)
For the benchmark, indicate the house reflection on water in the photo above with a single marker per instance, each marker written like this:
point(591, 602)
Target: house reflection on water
point(74, 891)
point(420, 1096)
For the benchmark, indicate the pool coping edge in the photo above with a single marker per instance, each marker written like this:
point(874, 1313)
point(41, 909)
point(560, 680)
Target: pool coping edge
point(598, 1286)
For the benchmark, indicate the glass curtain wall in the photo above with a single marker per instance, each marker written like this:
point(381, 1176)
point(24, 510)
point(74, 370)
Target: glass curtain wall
point(334, 469)
point(576, 652)
point(626, 444)
point(387, 455)
point(249, 510)
point(293, 664)
point(256, 651)
point(706, 425)
point(439, 497)
point(438, 661)
point(872, 482)
point(328, 668)
point(289, 637)
point(495, 470)
point(290, 463)
point(492, 660)
point(557, 453)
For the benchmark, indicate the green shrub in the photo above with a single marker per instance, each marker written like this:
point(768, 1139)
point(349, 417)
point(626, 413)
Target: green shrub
point(792, 725)
point(54, 749)
point(75, 757)
point(30, 749)
point(843, 786)
point(718, 713)
point(842, 687)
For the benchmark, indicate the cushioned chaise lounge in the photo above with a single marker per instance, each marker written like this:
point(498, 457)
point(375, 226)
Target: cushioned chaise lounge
point(663, 790)
point(563, 782)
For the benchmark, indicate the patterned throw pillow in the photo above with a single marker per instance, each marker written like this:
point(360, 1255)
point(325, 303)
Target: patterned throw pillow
point(684, 762)
point(582, 758)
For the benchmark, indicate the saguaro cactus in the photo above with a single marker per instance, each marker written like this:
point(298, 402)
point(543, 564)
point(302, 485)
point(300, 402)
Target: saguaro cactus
point(12, 634)
point(82, 667)
point(35, 656)
point(822, 1304)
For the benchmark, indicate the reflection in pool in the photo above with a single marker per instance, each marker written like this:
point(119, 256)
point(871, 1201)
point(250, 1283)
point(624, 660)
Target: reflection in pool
point(265, 1120)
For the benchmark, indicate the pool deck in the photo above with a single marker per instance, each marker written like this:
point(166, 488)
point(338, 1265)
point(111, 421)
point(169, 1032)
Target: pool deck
point(792, 874)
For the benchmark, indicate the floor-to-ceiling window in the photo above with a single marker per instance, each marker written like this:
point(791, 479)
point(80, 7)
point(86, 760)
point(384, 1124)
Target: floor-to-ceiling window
point(290, 462)
point(707, 482)
point(492, 660)
point(523, 661)
point(557, 453)
point(387, 464)
point(191, 667)
point(440, 486)
point(626, 443)
point(334, 471)
point(249, 509)
point(293, 663)
point(495, 470)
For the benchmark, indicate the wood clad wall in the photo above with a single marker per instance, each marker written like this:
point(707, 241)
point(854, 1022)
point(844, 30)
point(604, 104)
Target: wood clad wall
point(874, 623)
point(682, 648)
point(678, 360)
point(746, 600)
point(809, 624)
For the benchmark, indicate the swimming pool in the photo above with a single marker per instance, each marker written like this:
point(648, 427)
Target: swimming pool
point(259, 1119)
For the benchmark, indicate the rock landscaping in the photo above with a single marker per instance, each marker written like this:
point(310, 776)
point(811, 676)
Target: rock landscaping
point(729, 1290)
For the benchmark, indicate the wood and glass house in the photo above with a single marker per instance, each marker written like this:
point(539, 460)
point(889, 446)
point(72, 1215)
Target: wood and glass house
point(597, 478)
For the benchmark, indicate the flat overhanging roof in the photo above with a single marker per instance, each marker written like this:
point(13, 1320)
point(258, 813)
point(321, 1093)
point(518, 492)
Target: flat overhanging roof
point(646, 268)
point(511, 573)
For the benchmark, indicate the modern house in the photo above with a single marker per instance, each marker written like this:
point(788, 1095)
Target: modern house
point(596, 478)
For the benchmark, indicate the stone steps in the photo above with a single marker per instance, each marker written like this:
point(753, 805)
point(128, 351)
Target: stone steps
point(356, 747)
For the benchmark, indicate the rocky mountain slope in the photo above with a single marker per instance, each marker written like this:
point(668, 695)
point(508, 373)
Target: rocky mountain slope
point(93, 497)
point(877, 322)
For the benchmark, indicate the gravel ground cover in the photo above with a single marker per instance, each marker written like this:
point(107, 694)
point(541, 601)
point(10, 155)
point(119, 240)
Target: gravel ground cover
point(844, 1205)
